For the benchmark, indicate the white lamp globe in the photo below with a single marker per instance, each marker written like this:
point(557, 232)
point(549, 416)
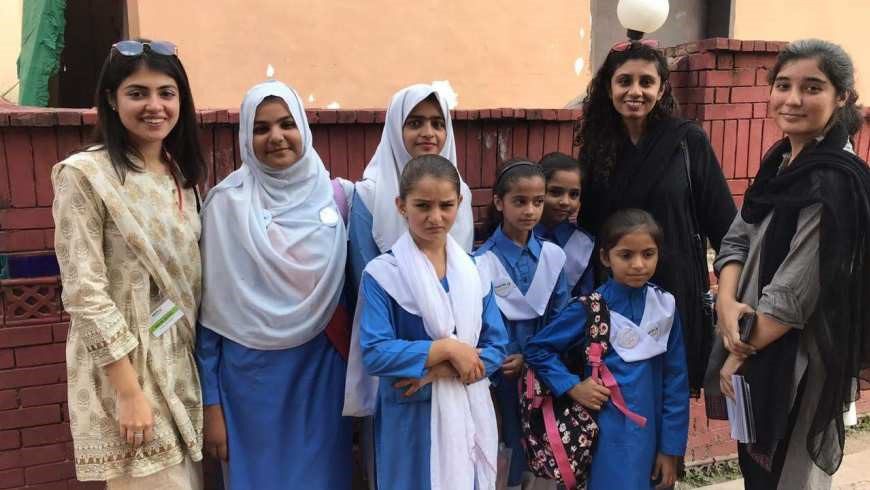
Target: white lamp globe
point(642, 16)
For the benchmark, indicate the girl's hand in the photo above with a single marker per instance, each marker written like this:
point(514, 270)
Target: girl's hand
point(732, 364)
point(215, 432)
point(413, 385)
point(590, 394)
point(512, 366)
point(135, 418)
point(666, 469)
point(728, 312)
point(466, 360)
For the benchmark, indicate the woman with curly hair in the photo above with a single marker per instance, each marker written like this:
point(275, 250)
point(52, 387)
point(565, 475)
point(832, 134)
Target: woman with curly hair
point(638, 154)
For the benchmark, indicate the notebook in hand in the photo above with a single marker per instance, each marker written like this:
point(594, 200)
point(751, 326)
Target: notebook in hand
point(740, 411)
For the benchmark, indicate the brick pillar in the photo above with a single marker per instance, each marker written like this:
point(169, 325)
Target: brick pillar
point(722, 83)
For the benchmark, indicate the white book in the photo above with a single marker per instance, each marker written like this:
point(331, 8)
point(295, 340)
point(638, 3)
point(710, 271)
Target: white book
point(740, 411)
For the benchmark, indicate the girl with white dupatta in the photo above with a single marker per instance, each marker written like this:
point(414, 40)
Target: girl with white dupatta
point(431, 331)
point(417, 123)
point(274, 252)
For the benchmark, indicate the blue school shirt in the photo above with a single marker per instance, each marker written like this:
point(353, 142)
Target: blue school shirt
point(655, 388)
point(521, 263)
point(395, 345)
point(560, 234)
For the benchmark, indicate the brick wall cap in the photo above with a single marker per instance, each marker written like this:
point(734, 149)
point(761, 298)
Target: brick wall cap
point(16, 115)
point(726, 44)
point(30, 281)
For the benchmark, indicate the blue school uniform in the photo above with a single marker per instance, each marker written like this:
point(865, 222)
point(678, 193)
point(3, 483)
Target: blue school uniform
point(521, 263)
point(655, 388)
point(579, 273)
point(282, 410)
point(362, 245)
point(395, 345)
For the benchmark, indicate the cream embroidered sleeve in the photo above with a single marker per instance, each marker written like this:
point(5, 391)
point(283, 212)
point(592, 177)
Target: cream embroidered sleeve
point(79, 235)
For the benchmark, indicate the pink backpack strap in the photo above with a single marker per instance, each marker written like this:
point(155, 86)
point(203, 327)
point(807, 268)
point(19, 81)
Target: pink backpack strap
point(599, 342)
point(340, 198)
point(601, 372)
point(555, 440)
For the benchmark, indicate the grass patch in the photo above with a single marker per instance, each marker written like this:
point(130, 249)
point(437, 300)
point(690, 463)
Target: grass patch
point(862, 426)
point(708, 474)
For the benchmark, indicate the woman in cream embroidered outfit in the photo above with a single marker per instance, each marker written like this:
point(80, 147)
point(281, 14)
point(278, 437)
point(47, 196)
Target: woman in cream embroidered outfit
point(126, 238)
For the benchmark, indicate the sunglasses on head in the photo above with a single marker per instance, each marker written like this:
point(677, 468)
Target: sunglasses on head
point(135, 48)
point(626, 45)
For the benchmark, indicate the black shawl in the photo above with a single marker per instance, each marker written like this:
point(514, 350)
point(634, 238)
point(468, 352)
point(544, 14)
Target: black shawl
point(840, 325)
point(652, 176)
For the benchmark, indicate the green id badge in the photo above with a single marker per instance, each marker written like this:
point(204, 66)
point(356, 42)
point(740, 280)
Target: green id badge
point(164, 317)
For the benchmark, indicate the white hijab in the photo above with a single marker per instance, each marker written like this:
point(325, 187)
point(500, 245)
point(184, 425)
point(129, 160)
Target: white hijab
point(380, 184)
point(273, 243)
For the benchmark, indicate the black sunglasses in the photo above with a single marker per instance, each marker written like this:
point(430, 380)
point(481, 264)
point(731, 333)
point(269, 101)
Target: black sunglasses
point(135, 48)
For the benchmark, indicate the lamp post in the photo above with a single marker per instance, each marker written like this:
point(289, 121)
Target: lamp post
point(642, 16)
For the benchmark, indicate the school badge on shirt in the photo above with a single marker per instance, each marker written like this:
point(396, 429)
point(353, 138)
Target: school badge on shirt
point(328, 216)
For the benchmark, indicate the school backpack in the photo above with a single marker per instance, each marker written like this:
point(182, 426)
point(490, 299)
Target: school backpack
point(558, 432)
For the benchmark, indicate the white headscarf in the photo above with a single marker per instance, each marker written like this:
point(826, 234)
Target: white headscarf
point(273, 242)
point(380, 185)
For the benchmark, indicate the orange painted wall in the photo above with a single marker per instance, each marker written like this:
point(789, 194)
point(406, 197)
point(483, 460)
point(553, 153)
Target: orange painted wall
point(509, 53)
point(841, 21)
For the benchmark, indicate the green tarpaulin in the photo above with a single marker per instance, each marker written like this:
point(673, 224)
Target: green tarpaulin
point(42, 29)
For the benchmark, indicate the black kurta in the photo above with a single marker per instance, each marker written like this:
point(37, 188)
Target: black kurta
point(665, 194)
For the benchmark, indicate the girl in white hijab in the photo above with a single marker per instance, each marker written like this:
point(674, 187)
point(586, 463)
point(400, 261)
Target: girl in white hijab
point(417, 123)
point(274, 252)
point(431, 331)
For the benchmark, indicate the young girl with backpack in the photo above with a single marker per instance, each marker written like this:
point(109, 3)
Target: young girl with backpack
point(635, 377)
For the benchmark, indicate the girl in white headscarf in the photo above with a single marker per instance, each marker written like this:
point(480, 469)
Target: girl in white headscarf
point(430, 329)
point(417, 123)
point(274, 253)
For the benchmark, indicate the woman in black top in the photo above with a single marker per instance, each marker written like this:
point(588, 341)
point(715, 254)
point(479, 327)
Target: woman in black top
point(638, 154)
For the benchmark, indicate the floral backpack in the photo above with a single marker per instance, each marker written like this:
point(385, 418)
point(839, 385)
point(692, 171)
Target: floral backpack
point(558, 432)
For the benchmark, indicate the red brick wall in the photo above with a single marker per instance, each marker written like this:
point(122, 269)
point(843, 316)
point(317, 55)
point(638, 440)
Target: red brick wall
point(720, 82)
point(34, 140)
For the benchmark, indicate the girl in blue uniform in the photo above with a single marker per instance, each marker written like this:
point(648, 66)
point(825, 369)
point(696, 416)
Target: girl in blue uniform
point(417, 123)
point(561, 203)
point(646, 357)
point(527, 277)
point(431, 332)
point(273, 252)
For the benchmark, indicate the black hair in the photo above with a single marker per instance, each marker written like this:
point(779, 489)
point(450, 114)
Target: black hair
point(600, 125)
point(433, 98)
point(625, 221)
point(510, 172)
point(558, 161)
point(422, 166)
point(181, 146)
point(836, 64)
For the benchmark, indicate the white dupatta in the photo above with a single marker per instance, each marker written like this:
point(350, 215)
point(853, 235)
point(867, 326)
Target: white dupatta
point(463, 428)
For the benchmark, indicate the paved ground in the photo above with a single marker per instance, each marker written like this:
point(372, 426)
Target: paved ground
point(854, 472)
